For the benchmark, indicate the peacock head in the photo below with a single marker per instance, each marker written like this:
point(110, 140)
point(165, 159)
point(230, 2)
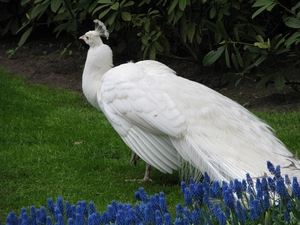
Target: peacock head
point(93, 37)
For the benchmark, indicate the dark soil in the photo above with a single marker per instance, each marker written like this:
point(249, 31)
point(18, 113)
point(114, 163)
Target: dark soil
point(42, 63)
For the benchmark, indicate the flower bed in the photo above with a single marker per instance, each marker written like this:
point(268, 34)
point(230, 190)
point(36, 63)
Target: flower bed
point(268, 200)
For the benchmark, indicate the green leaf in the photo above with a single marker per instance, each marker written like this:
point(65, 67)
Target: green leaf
point(234, 61)
point(271, 6)
point(24, 25)
point(264, 80)
point(238, 81)
point(292, 22)
point(103, 13)
point(147, 25)
point(61, 16)
point(191, 31)
point(126, 4)
point(268, 220)
point(172, 7)
point(143, 2)
point(177, 16)
point(104, 1)
point(259, 3)
point(221, 29)
point(60, 28)
point(249, 67)
point(292, 39)
point(238, 57)
point(153, 12)
point(99, 8)
point(259, 29)
point(212, 12)
point(236, 5)
point(171, 18)
point(198, 39)
point(11, 52)
point(137, 22)
point(226, 9)
point(260, 60)
point(166, 45)
point(227, 60)
point(9, 26)
point(39, 10)
point(120, 48)
point(259, 38)
point(73, 26)
point(145, 39)
point(144, 49)
point(182, 5)
point(155, 35)
point(213, 56)
point(296, 7)
point(23, 2)
point(117, 25)
point(91, 7)
point(283, 50)
point(279, 81)
point(25, 36)
point(115, 6)
point(262, 45)
point(236, 34)
point(152, 52)
point(126, 16)
point(159, 47)
point(183, 30)
point(257, 12)
point(210, 26)
point(277, 39)
point(112, 18)
point(55, 5)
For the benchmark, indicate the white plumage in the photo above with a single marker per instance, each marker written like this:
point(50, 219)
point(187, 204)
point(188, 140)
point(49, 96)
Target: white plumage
point(174, 123)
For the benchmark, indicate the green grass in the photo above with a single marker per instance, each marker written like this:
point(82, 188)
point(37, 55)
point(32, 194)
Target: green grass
point(40, 157)
point(286, 126)
point(53, 143)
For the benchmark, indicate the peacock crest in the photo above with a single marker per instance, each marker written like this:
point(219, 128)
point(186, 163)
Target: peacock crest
point(101, 28)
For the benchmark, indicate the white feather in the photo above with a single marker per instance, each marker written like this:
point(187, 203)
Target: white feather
point(169, 121)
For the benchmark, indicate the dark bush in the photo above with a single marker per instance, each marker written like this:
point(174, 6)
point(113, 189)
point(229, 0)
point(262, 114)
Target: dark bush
point(240, 37)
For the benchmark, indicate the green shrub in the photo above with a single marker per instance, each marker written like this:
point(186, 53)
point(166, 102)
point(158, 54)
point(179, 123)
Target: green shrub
point(259, 41)
point(240, 37)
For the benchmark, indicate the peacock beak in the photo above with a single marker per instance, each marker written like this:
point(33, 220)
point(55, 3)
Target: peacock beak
point(81, 37)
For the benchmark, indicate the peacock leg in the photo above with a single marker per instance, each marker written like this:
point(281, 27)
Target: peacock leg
point(133, 158)
point(147, 173)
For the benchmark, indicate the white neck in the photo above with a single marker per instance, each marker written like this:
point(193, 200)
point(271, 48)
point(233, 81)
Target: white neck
point(98, 62)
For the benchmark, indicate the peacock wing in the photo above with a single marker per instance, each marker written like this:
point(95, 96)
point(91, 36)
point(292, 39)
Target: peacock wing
point(144, 116)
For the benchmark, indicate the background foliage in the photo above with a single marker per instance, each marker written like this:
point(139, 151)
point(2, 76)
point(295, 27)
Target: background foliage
point(241, 38)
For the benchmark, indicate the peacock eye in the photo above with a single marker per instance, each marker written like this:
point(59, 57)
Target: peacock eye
point(87, 37)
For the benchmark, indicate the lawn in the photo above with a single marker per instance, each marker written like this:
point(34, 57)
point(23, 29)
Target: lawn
point(53, 143)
